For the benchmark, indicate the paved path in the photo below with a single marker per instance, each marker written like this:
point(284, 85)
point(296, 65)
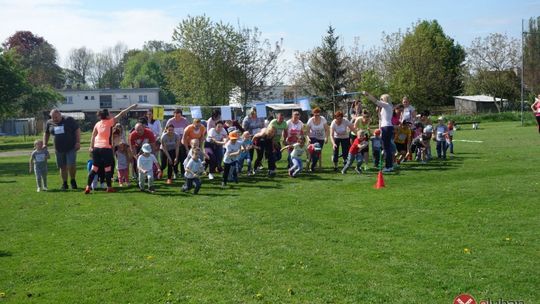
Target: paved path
point(17, 153)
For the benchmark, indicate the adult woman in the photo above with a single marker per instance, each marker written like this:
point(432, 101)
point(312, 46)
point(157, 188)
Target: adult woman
point(211, 122)
point(253, 125)
point(194, 131)
point(215, 140)
point(179, 123)
point(339, 130)
point(409, 112)
point(153, 124)
point(264, 141)
point(317, 130)
point(101, 148)
point(387, 129)
point(170, 151)
point(536, 110)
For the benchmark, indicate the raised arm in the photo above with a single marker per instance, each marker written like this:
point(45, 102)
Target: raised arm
point(125, 111)
point(370, 97)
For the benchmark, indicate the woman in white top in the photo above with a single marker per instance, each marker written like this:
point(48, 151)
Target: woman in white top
point(385, 124)
point(409, 112)
point(339, 129)
point(153, 124)
point(317, 130)
point(215, 140)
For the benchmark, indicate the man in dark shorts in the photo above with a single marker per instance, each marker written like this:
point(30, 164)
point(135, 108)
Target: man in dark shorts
point(67, 141)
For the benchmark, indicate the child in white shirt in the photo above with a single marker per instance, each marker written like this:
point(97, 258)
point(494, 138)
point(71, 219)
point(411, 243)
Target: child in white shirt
point(194, 169)
point(145, 165)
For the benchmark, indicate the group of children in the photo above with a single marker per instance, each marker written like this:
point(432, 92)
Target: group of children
point(409, 140)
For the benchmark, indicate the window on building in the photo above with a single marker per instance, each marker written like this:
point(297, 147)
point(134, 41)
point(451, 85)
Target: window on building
point(92, 98)
point(105, 101)
point(124, 97)
point(85, 97)
point(68, 100)
point(143, 98)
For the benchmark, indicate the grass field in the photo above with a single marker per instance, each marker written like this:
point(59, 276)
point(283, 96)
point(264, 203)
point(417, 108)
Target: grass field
point(467, 225)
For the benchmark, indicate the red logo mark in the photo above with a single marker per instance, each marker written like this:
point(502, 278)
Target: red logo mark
point(464, 299)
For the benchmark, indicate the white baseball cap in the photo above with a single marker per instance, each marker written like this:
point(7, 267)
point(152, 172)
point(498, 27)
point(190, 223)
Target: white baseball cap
point(146, 148)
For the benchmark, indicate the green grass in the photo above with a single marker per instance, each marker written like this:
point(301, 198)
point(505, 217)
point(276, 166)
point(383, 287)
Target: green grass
point(322, 238)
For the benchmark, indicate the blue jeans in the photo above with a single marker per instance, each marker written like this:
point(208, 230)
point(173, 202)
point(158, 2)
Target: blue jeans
point(296, 166)
point(441, 148)
point(387, 136)
point(193, 181)
point(244, 156)
point(359, 160)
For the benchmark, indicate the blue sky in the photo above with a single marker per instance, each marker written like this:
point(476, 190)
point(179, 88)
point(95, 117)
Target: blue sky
point(97, 24)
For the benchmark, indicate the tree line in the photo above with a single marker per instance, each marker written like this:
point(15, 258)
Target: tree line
point(207, 60)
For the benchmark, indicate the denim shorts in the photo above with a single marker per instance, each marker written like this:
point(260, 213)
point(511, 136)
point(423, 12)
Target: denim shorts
point(68, 158)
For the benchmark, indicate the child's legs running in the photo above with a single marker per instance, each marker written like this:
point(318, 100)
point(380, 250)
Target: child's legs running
point(297, 166)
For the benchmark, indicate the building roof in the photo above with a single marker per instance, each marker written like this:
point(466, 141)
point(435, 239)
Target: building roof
point(478, 98)
point(110, 91)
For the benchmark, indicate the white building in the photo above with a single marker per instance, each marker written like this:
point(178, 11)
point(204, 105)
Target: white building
point(112, 99)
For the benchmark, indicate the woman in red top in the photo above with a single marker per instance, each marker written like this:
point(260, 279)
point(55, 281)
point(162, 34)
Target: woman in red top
point(101, 147)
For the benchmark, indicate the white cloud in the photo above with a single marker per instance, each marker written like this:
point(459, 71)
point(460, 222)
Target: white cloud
point(66, 26)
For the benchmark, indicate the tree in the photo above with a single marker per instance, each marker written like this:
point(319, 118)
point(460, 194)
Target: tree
point(17, 95)
point(107, 71)
point(493, 62)
point(324, 69)
point(257, 63)
point(155, 46)
point(79, 63)
point(38, 56)
point(13, 84)
point(427, 66)
point(531, 56)
point(214, 50)
point(147, 69)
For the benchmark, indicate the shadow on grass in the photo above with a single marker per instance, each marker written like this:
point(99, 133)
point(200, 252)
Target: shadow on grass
point(4, 254)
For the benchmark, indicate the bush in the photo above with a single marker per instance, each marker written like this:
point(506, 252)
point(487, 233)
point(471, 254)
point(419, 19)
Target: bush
point(493, 117)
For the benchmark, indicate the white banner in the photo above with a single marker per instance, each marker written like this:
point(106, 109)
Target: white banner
point(304, 103)
point(196, 112)
point(226, 113)
point(261, 110)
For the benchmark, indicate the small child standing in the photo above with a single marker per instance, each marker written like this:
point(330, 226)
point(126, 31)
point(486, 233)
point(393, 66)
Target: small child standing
point(38, 161)
point(298, 149)
point(194, 169)
point(376, 145)
point(359, 143)
point(145, 166)
point(441, 131)
point(230, 159)
point(123, 156)
point(245, 154)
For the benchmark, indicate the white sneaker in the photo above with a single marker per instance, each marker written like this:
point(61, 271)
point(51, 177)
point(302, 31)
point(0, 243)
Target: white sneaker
point(38, 189)
point(45, 189)
point(210, 176)
point(386, 170)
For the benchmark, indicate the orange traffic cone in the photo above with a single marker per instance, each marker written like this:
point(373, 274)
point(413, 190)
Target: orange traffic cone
point(380, 181)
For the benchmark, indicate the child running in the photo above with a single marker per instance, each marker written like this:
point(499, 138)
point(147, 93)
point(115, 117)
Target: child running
point(230, 159)
point(38, 161)
point(298, 149)
point(194, 169)
point(359, 143)
point(245, 154)
point(145, 165)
